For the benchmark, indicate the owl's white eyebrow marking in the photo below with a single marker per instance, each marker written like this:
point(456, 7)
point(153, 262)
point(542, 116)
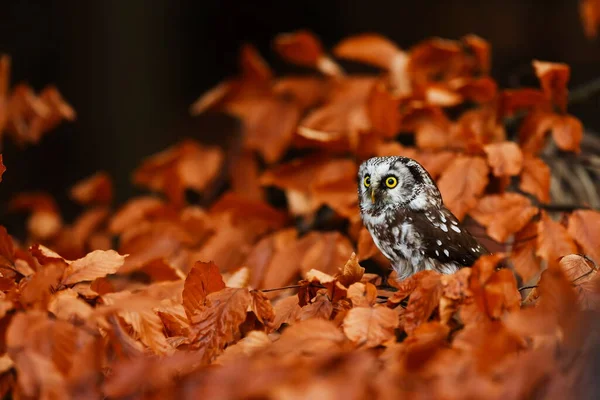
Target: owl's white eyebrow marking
point(444, 227)
point(439, 242)
point(455, 228)
point(447, 253)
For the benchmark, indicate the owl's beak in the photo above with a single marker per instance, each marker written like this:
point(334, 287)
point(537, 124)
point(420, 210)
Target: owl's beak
point(373, 195)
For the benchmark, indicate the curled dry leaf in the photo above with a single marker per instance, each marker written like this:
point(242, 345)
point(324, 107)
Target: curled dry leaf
point(370, 327)
point(96, 264)
point(553, 240)
point(95, 189)
point(203, 279)
point(351, 272)
point(300, 47)
point(584, 227)
point(503, 215)
point(462, 183)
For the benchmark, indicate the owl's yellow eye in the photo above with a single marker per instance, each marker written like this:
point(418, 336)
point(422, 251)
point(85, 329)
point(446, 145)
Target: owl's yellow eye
point(367, 181)
point(391, 182)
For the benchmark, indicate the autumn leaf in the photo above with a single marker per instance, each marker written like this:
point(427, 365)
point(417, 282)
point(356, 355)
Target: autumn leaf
point(370, 327)
point(589, 11)
point(503, 215)
point(351, 272)
point(505, 158)
point(95, 189)
point(216, 323)
point(261, 307)
point(553, 240)
point(584, 227)
point(524, 257)
point(535, 178)
point(462, 183)
point(567, 132)
point(303, 48)
point(554, 78)
point(423, 300)
point(203, 279)
point(96, 264)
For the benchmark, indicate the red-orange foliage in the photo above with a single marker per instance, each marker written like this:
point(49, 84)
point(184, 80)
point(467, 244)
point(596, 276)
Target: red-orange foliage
point(251, 299)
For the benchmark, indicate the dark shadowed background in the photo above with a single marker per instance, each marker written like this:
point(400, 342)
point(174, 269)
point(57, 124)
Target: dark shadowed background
point(132, 68)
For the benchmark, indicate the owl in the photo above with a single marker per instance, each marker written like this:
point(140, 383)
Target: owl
point(403, 210)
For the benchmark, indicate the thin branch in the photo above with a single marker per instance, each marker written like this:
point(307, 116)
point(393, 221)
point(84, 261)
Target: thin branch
point(280, 288)
point(527, 287)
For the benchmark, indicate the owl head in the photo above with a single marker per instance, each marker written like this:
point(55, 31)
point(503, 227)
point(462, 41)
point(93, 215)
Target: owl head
point(392, 182)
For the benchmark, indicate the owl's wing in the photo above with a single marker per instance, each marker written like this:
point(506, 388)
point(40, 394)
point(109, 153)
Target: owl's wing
point(445, 240)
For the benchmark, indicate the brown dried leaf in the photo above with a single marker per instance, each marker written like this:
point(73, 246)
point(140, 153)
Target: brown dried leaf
point(553, 240)
point(567, 132)
point(504, 214)
point(351, 272)
point(462, 183)
point(523, 256)
point(370, 327)
point(423, 300)
point(554, 78)
point(505, 158)
point(261, 307)
point(584, 227)
point(589, 11)
point(94, 189)
point(216, 323)
point(96, 264)
point(286, 311)
point(535, 178)
point(203, 279)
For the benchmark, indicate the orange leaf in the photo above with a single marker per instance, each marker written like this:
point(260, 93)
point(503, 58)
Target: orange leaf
point(422, 301)
point(261, 307)
point(553, 240)
point(503, 214)
point(216, 323)
point(584, 227)
point(370, 48)
point(589, 11)
point(462, 183)
point(567, 132)
point(96, 264)
point(370, 327)
point(254, 68)
point(351, 272)
point(95, 189)
point(554, 78)
point(535, 178)
point(203, 279)
point(505, 158)
point(523, 255)
point(300, 47)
